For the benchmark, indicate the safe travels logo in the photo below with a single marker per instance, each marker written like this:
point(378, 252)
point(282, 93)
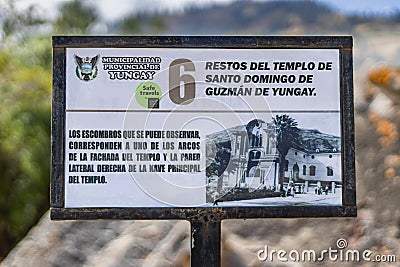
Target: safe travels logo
point(148, 95)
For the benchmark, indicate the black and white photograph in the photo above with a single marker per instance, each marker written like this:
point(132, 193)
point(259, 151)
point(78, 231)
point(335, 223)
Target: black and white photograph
point(278, 162)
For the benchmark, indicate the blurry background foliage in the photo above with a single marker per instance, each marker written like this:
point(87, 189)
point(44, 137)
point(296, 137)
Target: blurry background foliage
point(25, 106)
point(25, 75)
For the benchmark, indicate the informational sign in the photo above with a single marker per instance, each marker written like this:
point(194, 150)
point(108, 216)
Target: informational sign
point(193, 123)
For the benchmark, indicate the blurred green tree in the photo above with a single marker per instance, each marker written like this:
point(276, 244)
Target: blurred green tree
point(75, 18)
point(25, 106)
point(14, 21)
point(25, 86)
point(141, 24)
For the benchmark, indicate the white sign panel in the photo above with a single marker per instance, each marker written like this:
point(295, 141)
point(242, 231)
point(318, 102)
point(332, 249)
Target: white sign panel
point(167, 127)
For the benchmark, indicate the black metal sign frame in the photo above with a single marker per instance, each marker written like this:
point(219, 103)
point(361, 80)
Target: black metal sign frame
point(212, 214)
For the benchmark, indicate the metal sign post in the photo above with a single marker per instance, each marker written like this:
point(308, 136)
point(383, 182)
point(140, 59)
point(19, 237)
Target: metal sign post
point(205, 242)
point(202, 128)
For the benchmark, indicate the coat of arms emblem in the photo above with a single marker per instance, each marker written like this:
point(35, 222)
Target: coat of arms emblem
point(86, 69)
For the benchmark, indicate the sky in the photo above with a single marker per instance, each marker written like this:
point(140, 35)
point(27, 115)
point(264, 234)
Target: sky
point(111, 9)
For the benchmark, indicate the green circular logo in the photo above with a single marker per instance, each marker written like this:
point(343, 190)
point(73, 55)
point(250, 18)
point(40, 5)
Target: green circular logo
point(148, 95)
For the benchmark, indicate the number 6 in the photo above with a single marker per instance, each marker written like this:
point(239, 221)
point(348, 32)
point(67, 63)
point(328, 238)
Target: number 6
point(175, 79)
